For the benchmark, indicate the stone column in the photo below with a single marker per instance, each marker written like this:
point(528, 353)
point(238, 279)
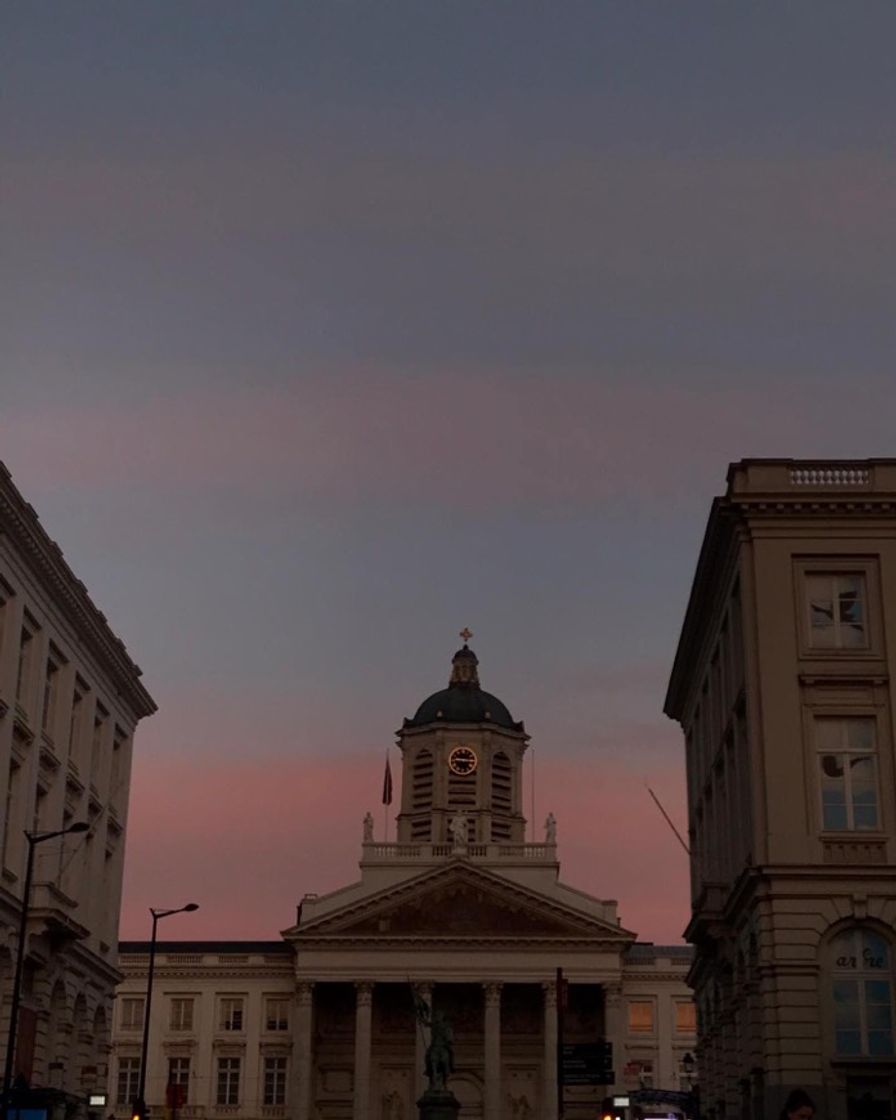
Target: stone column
point(423, 991)
point(363, 1015)
point(549, 1084)
point(303, 1077)
point(492, 1025)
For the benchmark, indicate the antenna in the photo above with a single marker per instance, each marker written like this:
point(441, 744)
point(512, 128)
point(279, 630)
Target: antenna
point(666, 817)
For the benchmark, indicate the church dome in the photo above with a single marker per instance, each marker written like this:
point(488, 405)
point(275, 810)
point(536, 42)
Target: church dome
point(463, 701)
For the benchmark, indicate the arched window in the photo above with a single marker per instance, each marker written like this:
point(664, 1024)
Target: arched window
point(862, 993)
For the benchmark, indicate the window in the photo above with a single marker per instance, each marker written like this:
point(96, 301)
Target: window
point(181, 1015)
point(640, 1017)
point(228, 1081)
point(179, 1074)
point(862, 993)
point(231, 1018)
point(48, 708)
point(837, 611)
point(96, 743)
point(276, 1015)
point(128, 1081)
point(685, 1017)
point(74, 722)
point(132, 1013)
point(275, 1081)
point(847, 768)
point(26, 643)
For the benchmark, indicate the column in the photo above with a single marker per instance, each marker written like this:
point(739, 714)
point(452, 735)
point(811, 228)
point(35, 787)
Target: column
point(363, 1014)
point(492, 994)
point(614, 1027)
point(549, 1085)
point(423, 992)
point(303, 1075)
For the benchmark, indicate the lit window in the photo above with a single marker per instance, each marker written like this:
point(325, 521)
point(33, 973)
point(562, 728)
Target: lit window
point(862, 995)
point(837, 611)
point(276, 1015)
point(132, 1013)
point(847, 768)
point(685, 1017)
point(275, 1081)
point(228, 1091)
point(231, 1015)
point(181, 1018)
point(128, 1081)
point(640, 1017)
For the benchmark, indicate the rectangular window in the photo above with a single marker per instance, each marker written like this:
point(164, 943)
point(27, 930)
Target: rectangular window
point(837, 611)
point(275, 1081)
point(179, 1074)
point(276, 1014)
point(181, 1015)
point(128, 1081)
point(685, 1017)
point(640, 1017)
point(26, 644)
point(847, 768)
point(96, 743)
point(228, 1091)
point(48, 707)
point(132, 1013)
point(231, 1017)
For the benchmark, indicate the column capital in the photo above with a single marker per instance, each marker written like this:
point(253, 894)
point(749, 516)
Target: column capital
point(492, 990)
point(305, 992)
point(423, 988)
point(363, 992)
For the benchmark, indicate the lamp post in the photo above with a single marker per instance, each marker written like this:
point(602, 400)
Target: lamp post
point(688, 1065)
point(157, 915)
point(33, 838)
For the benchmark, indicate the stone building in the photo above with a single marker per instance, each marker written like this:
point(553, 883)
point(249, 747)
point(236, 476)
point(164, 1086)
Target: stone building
point(70, 699)
point(461, 911)
point(783, 688)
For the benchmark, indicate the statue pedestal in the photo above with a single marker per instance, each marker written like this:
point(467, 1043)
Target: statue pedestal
point(438, 1104)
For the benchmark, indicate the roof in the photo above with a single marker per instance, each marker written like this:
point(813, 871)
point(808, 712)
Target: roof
point(464, 701)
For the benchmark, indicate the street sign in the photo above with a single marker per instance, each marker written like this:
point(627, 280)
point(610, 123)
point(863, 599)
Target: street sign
point(587, 1063)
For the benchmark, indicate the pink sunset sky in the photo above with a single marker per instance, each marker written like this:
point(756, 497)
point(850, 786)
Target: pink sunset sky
point(330, 330)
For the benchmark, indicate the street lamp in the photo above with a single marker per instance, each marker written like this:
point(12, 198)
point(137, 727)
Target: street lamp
point(33, 838)
point(157, 915)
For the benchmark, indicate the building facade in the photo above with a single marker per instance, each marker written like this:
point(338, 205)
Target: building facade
point(70, 700)
point(461, 914)
point(783, 688)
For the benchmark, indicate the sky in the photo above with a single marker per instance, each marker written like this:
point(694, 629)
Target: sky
point(331, 328)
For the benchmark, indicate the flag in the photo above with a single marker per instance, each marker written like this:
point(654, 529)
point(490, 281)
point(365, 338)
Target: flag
point(387, 783)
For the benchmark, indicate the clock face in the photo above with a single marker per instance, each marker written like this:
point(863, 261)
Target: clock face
point(463, 760)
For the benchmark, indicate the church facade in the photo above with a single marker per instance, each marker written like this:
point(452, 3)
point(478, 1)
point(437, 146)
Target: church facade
point(461, 916)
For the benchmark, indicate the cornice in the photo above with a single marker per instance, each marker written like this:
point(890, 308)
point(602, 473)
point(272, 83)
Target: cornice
point(213, 972)
point(460, 943)
point(20, 523)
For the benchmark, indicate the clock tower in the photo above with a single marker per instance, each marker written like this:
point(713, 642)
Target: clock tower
point(462, 760)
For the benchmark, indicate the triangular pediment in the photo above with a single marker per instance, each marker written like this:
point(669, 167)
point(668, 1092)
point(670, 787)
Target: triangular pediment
point(464, 902)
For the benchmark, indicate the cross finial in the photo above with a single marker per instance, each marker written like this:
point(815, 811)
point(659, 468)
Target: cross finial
point(466, 634)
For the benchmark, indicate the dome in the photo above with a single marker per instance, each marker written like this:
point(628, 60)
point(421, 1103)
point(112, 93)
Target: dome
point(463, 701)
